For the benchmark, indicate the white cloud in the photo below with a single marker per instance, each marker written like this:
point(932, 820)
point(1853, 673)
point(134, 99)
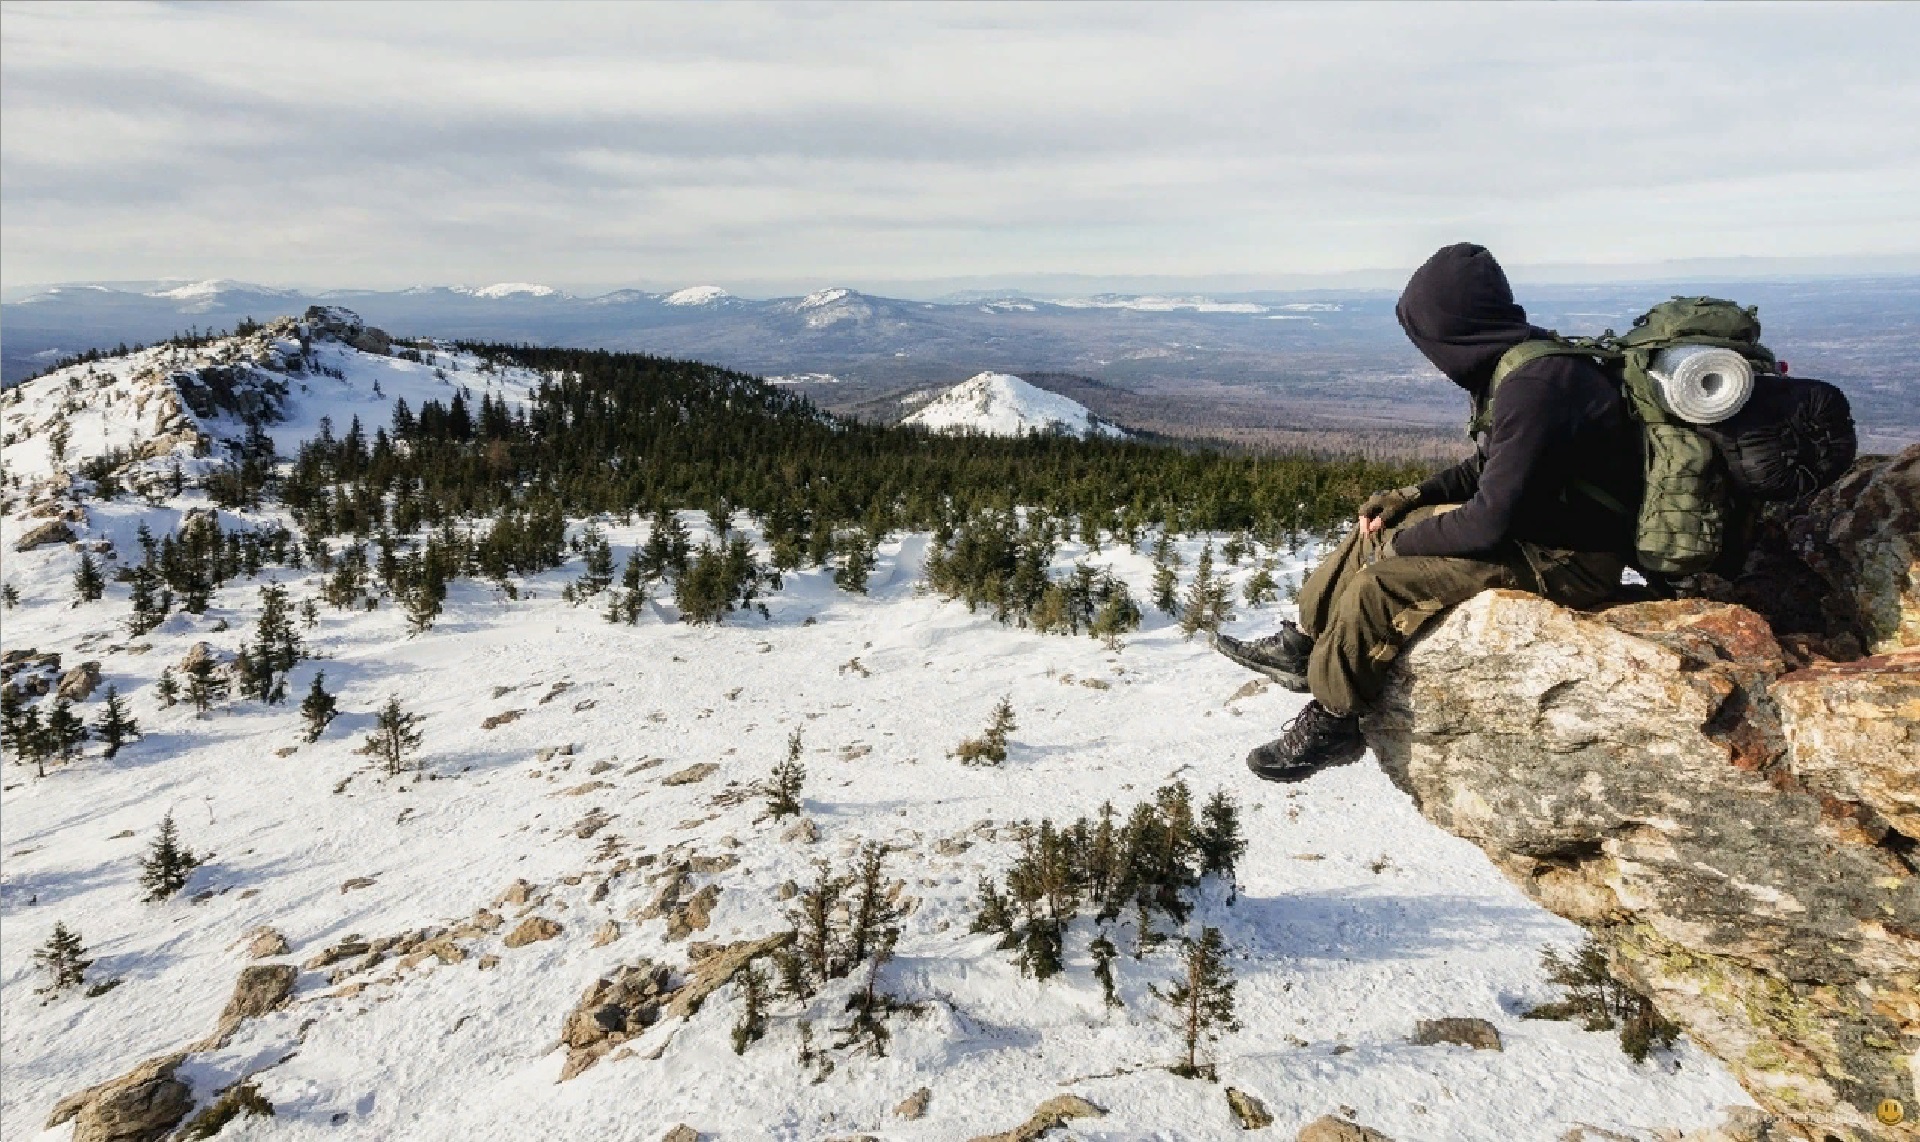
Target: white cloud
point(316, 143)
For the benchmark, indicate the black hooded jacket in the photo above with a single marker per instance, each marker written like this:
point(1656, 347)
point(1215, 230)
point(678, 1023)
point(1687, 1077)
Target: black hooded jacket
point(1555, 420)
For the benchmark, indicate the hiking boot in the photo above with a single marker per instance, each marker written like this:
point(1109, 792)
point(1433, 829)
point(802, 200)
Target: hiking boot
point(1281, 656)
point(1314, 740)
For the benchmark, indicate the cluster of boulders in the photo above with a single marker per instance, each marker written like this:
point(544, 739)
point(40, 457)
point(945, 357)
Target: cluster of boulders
point(1730, 805)
point(29, 673)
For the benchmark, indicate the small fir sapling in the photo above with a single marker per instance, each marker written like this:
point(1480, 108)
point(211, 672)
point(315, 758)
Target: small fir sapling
point(1104, 954)
point(168, 863)
point(116, 726)
point(64, 959)
point(1601, 1002)
point(783, 788)
point(1166, 578)
point(87, 581)
point(318, 708)
point(752, 1024)
point(167, 688)
point(991, 747)
point(65, 732)
point(395, 738)
point(1201, 1000)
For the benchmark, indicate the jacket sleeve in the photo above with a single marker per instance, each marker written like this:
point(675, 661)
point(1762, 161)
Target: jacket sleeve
point(1525, 425)
point(1454, 485)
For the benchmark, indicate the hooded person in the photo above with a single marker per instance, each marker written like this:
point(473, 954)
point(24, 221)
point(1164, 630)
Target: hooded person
point(1518, 514)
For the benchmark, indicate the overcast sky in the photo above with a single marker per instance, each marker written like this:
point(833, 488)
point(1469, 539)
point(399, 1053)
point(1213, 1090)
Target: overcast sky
point(747, 145)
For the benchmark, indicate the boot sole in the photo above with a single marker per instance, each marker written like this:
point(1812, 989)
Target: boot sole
point(1294, 681)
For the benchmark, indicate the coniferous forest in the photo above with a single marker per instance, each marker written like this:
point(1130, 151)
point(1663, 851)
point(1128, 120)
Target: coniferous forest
point(630, 434)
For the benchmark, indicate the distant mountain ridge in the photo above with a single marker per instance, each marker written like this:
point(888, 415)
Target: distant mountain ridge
point(1251, 364)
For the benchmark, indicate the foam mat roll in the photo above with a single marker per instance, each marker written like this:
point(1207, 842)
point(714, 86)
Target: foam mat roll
point(1701, 383)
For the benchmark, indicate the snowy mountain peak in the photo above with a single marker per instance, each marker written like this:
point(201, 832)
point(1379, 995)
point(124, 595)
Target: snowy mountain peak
point(213, 287)
point(999, 404)
point(512, 289)
point(821, 298)
point(699, 295)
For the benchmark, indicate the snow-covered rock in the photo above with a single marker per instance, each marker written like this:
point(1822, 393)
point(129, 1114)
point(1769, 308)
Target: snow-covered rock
point(999, 404)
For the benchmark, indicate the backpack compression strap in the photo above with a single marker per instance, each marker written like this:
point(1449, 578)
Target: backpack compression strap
point(1525, 353)
point(1529, 351)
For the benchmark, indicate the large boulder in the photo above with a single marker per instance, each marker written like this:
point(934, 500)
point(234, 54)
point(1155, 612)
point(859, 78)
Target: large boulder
point(1862, 536)
point(1734, 824)
point(53, 531)
point(143, 1105)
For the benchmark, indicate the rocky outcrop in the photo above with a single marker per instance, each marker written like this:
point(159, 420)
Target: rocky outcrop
point(1049, 1115)
point(148, 1102)
point(78, 684)
point(54, 531)
point(614, 1009)
point(1727, 796)
point(143, 1105)
point(1728, 825)
point(1863, 537)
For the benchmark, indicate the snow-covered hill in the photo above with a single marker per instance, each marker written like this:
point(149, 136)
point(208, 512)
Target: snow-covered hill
point(998, 404)
point(588, 801)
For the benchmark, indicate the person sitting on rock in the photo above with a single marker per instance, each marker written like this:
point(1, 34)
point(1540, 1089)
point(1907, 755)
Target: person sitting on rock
point(1516, 514)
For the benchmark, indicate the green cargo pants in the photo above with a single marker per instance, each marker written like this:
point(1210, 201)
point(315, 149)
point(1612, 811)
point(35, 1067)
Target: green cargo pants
point(1361, 608)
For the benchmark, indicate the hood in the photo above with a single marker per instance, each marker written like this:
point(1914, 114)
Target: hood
point(1459, 311)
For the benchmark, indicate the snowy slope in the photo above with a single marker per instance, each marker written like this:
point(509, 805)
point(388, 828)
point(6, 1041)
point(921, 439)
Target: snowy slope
point(997, 404)
point(1355, 917)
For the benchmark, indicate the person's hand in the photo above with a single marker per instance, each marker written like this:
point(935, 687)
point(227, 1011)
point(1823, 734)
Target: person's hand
point(1384, 509)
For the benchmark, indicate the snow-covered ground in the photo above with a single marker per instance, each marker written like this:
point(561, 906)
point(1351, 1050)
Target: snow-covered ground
point(1354, 917)
point(998, 404)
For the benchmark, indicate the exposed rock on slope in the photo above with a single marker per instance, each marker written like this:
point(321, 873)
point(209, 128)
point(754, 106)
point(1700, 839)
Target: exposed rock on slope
point(1736, 825)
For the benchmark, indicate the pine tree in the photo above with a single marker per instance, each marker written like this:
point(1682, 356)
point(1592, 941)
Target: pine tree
point(1206, 605)
point(991, 747)
point(151, 602)
point(318, 708)
point(1104, 953)
point(64, 958)
point(1261, 589)
point(167, 688)
point(1218, 839)
point(752, 1025)
point(817, 934)
point(874, 916)
point(278, 643)
point(87, 583)
point(856, 553)
point(9, 597)
point(204, 687)
point(168, 863)
point(1202, 1001)
point(65, 731)
point(395, 737)
point(116, 727)
point(783, 789)
point(1166, 578)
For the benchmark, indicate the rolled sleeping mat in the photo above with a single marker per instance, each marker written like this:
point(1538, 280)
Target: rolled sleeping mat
point(1701, 384)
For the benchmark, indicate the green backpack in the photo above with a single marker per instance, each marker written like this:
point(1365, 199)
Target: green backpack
point(1682, 521)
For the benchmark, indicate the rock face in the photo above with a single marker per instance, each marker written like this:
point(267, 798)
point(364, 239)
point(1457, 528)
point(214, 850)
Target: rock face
point(143, 1105)
point(1734, 824)
point(41, 536)
point(1863, 537)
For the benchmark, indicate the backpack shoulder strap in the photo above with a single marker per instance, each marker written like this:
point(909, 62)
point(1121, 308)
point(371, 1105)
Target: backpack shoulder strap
point(1523, 354)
